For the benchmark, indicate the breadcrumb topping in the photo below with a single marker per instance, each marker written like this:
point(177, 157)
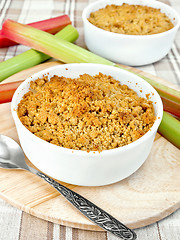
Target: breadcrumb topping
point(131, 19)
point(90, 113)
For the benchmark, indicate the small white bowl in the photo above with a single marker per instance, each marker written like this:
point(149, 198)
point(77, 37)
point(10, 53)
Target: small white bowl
point(134, 50)
point(80, 167)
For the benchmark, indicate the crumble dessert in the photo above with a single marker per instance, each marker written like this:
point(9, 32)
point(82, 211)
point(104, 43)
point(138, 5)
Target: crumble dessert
point(90, 113)
point(131, 19)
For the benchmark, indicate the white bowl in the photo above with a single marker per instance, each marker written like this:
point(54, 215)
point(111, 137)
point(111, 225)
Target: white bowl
point(80, 167)
point(134, 50)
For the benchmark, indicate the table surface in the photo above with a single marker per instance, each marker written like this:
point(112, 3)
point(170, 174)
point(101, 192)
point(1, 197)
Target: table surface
point(15, 224)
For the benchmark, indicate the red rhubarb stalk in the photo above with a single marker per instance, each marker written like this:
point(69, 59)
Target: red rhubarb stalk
point(171, 106)
point(7, 90)
point(52, 25)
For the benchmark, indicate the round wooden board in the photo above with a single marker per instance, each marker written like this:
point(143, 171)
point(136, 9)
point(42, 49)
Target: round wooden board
point(150, 194)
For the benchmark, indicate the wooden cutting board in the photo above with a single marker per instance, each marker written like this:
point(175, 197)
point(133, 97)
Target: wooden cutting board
point(150, 194)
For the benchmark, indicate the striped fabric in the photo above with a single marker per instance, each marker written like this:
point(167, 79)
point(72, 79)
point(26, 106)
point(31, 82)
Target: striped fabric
point(15, 224)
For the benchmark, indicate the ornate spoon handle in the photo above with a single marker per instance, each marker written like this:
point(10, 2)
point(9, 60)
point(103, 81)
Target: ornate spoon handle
point(91, 211)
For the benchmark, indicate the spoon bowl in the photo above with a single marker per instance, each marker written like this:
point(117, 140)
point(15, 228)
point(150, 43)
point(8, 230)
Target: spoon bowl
point(11, 155)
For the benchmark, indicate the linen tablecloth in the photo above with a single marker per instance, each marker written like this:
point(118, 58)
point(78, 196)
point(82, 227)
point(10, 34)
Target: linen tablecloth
point(15, 224)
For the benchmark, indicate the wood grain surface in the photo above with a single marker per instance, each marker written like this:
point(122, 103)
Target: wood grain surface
point(150, 194)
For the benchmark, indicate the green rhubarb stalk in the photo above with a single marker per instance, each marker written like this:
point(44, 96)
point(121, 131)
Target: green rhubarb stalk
point(47, 43)
point(170, 129)
point(32, 57)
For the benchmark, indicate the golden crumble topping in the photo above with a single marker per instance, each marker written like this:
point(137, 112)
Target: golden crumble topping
point(131, 19)
point(91, 113)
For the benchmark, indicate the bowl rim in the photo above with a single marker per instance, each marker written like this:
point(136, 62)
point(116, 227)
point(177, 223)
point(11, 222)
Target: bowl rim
point(120, 35)
point(95, 154)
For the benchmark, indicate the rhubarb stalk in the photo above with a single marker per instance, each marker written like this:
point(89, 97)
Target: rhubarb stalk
point(52, 25)
point(7, 90)
point(170, 129)
point(32, 57)
point(171, 106)
point(42, 41)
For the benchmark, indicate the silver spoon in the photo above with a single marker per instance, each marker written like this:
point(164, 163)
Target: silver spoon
point(12, 157)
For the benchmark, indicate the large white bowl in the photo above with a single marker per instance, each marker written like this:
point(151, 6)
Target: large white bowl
point(80, 167)
point(134, 50)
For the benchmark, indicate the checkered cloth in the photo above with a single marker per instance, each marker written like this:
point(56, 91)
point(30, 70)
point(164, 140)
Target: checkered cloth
point(15, 224)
